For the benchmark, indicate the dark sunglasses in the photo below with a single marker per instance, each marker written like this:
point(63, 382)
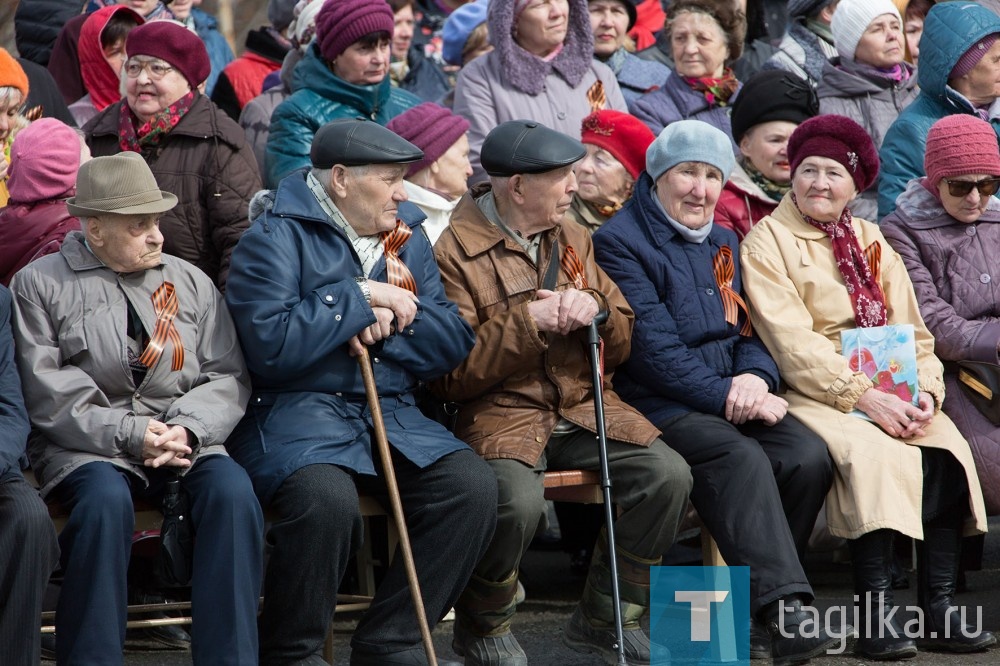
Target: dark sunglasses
point(960, 188)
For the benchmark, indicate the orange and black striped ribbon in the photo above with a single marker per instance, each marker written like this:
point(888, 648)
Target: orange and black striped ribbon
point(873, 255)
point(597, 97)
point(573, 267)
point(165, 307)
point(732, 303)
point(392, 244)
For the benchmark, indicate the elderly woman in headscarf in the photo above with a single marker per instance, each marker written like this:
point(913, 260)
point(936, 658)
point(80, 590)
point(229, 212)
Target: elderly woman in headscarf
point(611, 22)
point(816, 275)
point(437, 181)
point(102, 55)
point(193, 148)
point(133, 379)
point(616, 146)
point(541, 68)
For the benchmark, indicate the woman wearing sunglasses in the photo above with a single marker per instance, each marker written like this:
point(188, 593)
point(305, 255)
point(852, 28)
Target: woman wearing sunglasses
point(947, 228)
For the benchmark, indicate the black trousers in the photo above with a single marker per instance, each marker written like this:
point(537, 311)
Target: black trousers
point(758, 489)
point(450, 508)
point(28, 554)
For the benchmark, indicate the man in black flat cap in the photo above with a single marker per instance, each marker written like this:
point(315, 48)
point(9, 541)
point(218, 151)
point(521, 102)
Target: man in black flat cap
point(335, 260)
point(529, 286)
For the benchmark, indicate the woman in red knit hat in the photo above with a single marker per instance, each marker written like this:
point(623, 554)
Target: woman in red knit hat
point(812, 271)
point(616, 154)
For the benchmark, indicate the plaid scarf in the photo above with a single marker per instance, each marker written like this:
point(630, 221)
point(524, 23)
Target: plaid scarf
point(151, 133)
point(717, 91)
point(858, 271)
point(776, 191)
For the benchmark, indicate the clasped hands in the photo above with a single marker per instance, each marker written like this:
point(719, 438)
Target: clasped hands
point(562, 312)
point(165, 445)
point(390, 304)
point(896, 416)
point(749, 400)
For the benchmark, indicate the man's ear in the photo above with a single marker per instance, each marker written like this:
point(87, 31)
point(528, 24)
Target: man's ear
point(339, 179)
point(515, 188)
point(94, 230)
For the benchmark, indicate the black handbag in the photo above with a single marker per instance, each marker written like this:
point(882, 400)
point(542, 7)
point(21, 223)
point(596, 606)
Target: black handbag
point(173, 563)
point(980, 382)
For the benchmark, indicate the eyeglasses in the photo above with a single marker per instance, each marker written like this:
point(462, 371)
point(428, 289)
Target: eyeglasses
point(960, 188)
point(157, 70)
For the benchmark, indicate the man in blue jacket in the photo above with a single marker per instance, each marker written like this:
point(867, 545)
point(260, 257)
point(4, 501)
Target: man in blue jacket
point(333, 262)
point(28, 550)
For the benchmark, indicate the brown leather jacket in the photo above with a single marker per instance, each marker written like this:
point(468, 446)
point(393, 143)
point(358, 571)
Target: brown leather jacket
point(518, 382)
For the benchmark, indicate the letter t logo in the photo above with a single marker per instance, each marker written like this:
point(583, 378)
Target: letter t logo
point(701, 618)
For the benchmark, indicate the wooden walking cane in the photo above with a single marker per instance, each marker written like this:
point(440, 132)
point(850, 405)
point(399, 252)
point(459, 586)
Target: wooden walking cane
point(382, 441)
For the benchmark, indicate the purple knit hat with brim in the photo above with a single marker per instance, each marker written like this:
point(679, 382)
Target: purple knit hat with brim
point(959, 145)
point(340, 23)
point(431, 128)
point(44, 159)
point(972, 57)
point(840, 139)
point(175, 45)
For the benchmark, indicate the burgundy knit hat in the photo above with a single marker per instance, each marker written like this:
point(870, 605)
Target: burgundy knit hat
point(340, 23)
point(840, 139)
point(44, 159)
point(621, 134)
point(431, 128)
point(960, 144)
point(174, 44)
point(972, 57)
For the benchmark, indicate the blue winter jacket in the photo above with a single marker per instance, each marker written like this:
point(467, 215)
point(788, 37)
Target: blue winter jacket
point(676, 100)
point(319, 96)
point(684, 353)
point(219, 53)
point(295, 302)
point(950, 29)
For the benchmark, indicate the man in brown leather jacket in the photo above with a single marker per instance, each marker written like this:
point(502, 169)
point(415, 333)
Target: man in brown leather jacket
point(530, 288)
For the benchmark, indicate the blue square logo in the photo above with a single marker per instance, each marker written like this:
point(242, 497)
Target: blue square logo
point(700, 615)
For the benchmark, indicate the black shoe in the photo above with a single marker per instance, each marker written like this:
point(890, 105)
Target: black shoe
point(937, 571)
point(879, 635)
point(414, 656)
point(790, 644)
point(170, 635)
point(760, 641)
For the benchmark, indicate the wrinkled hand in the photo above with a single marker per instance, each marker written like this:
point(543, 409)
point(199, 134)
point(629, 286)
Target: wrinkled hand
point(562, 311)
point(165, 445)
point(772, 410)
point(896, 416)
point(402, 302)
point(746, 394)
point(380, 330)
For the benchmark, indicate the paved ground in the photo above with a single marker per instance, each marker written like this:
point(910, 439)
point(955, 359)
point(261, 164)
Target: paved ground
point(551, 591)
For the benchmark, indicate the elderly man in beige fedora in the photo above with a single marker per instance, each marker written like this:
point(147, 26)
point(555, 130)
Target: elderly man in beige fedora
point(133, 377)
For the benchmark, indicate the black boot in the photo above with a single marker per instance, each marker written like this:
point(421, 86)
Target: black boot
point(937, 570)
point(879, 634)
point(791, 642)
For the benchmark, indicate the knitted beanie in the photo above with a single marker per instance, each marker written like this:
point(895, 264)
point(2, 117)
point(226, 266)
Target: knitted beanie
point(280, 13)
point(431, 128)
point(840, 139)
point(303, 28)
point(623, 135)
point(972, 57)
point(690, 141)
point(852, 18)
point(340, 23)
point(772, 95)
point(457, 28)
point(174, 44)
point(803, 8)
point(12, 75)
point(960, 144)
point(44, 159)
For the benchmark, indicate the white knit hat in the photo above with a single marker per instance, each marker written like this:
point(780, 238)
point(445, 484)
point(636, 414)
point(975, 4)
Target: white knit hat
point(852, 18)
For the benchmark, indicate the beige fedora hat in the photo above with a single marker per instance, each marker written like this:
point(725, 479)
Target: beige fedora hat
point(120, 184)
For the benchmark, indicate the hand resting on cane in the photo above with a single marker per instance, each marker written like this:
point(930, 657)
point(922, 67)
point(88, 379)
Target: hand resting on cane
point(395, 308)
point(562, 311)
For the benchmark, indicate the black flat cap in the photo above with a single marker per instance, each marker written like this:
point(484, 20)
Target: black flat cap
point(356, 141)
point(525, 146)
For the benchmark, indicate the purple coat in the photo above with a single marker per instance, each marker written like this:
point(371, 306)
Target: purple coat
point(957, 281)
point(676, 100)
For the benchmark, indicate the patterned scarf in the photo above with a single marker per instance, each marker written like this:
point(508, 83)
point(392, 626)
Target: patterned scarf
point(894, 76)
point(152, 132)
point(717, 91)
point(857, 269)
point(776, 191)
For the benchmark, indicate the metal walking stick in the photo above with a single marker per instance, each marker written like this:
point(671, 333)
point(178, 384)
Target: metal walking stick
point(594, 345)
point(397, 505)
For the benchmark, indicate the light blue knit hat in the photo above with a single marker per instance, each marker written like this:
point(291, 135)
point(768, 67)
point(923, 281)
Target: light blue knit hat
point(690, 141)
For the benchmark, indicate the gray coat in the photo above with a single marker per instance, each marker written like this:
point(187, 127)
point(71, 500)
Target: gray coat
point(873, 104)
point(955, 276)
point(70, 315)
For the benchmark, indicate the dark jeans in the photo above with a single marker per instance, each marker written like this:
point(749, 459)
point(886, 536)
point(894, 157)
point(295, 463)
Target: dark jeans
point(28, 554)
point(450, 509)
point(758, 489)
point(97, 539)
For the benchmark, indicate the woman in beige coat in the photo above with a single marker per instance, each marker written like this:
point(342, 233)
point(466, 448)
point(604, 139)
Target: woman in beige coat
point(907, 469)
